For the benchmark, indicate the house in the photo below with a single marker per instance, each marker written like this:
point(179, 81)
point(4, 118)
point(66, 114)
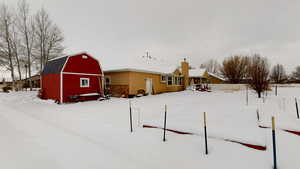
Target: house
point(5, 78)
point(213, 78)
point(196, 76)
point(24, 83)
point(70, 78)
point(146, 76)
point(199, 76)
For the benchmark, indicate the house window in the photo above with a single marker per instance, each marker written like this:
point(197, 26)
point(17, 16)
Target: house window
point(176, 80)
point(84, 82)
point(107, 82)
point(170, 80)
point(180, 81)
point(163, 78)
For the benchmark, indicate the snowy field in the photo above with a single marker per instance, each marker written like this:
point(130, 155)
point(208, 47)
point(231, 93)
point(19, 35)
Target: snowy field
point(37, 134)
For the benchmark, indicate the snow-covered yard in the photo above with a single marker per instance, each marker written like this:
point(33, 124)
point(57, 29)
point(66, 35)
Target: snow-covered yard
point(37, 134)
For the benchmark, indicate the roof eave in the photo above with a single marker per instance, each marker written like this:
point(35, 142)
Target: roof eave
point(134, 70)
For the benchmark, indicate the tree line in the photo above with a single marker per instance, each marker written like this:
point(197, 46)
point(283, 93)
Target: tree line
point(253, 69)
point(27, 40)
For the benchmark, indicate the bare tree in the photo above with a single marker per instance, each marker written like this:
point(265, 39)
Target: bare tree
point(259, 73)
point(54, 46)
point(235, 68)
point(16, 45)
point(26, 28)
point(48, 40)
point(6, 21)
point(212, 66)
point(27, 41)
point(296, 73)
point(278, 74)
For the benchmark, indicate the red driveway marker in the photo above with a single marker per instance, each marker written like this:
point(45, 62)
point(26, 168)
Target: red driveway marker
point(256, 147)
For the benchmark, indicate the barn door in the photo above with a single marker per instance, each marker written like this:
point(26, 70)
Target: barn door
point(149, 86)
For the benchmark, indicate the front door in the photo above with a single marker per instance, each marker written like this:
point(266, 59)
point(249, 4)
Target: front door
point(149, 86)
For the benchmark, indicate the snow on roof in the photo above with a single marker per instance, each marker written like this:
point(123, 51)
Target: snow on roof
point(196, 72)
point(145, 64)
point(73, 54)
point(216, 76)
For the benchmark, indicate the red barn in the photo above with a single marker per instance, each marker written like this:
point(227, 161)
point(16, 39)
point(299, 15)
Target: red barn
point(70, 78)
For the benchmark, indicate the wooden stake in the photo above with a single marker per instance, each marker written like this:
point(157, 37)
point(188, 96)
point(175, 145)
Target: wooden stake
point(274, 143)
point(205, 133)
point(165, 123)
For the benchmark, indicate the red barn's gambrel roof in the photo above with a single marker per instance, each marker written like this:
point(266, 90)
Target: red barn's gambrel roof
point(54, 66)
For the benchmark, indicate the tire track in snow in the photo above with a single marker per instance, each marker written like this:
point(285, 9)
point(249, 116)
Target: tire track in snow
point(101, 144)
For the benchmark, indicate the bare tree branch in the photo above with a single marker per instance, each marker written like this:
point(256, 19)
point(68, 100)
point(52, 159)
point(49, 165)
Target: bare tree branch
point(278, 74)
point(235, 68)
point(259, 72)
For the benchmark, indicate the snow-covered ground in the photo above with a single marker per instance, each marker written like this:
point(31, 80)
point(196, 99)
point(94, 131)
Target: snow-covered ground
point(37, 134)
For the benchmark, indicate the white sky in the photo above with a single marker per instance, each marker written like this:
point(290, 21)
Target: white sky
point(116, 30)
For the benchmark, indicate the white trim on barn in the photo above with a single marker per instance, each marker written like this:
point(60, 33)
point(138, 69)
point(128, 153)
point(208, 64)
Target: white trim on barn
point(89, 74)
point(61, 80)
point(74, 54)
point(61, 90)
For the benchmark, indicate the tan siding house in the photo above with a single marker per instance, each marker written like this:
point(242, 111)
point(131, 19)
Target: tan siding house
point(200, 76)
point(212, 78)
point(128, 82)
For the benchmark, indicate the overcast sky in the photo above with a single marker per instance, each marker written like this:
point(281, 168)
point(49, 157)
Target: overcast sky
point(117, 30)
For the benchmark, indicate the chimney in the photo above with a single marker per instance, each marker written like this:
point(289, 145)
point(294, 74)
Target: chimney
point(185, 73)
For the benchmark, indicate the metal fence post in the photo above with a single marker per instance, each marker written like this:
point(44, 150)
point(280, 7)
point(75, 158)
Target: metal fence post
point(205, 133)
point(165, 123)
point(130, 116)
point(274, 143)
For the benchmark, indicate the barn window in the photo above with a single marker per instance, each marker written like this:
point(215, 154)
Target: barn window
point(84, 57)
point(84, 82)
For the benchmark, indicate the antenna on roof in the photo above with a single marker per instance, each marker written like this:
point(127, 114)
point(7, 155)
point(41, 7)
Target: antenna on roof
point(148, 56)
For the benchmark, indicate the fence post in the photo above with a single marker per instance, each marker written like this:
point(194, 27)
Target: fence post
point(205, 133)
point(276, 90)
point(297, 108)
point(165, 123)
point(130, 116)
point(274, 142)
